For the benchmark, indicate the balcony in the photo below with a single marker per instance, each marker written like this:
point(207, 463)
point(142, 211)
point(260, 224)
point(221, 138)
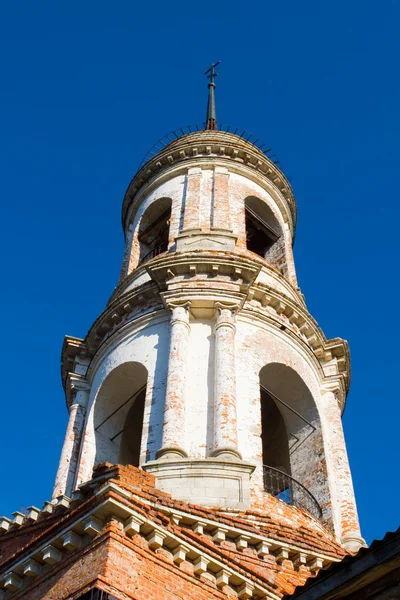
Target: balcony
point(284, 487)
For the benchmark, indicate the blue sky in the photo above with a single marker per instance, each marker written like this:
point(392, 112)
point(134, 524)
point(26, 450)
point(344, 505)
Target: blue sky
point(88, 87)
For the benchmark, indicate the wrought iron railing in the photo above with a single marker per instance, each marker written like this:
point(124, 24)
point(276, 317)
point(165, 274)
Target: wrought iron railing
point(222, 128)
point(154, 252)
point(283, 486)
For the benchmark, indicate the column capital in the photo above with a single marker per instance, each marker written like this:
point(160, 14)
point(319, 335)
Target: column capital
point(337, 390)
point(226, 315)
point(233, 307)
point(77, 383)
point(180, 314)
point(173, 305)
point(331, 386)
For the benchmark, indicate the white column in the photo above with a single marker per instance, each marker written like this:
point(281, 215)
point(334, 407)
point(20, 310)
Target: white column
point(65, 478)
point(343, 498)
point(225, 419)
point(174, 410)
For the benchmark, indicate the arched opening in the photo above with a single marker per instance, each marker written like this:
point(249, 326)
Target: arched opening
point(131, 436)
point(263, 232)
point(275, 443)
point(153, 232)
point(292, 444)
point(118, 415)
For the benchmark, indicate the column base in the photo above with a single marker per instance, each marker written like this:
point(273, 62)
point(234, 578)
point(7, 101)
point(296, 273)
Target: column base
point(227, 454)
point(208, 482)
point(170, 453)
point(353, 542)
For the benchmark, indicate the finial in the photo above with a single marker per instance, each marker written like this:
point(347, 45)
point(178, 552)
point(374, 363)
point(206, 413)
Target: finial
point(211, 120)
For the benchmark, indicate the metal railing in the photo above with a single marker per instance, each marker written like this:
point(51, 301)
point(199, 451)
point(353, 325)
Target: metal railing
point(222, 128)
point(154, 252)
point(283, 486)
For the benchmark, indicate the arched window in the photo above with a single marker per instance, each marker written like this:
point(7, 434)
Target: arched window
point(262, 228)
point(154, 229)
point(118, 415)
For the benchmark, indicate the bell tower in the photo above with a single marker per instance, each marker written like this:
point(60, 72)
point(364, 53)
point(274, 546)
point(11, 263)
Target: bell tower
point(206, 369)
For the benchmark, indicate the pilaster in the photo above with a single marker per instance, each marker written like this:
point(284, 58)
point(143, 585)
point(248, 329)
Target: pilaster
point(220, 211)
point(191, 216)
point(65, 478)
point(174, 410)
point(225, 419)
point(345, 507)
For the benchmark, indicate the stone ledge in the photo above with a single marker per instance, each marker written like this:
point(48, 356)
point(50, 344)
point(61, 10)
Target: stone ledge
point(207, 482)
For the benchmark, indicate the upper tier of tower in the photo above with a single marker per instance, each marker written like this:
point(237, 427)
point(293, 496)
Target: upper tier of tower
point(200, 146)
point(210, 190)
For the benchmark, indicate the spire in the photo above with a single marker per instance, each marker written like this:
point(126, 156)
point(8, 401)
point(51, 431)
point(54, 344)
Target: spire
point(211, 119)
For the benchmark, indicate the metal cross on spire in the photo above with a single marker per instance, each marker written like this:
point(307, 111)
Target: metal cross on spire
point(211, 119)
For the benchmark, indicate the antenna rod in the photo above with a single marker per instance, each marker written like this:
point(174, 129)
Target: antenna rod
point(211, 119)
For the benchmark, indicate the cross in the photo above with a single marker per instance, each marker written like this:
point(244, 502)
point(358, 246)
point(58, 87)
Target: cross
point(212, 72)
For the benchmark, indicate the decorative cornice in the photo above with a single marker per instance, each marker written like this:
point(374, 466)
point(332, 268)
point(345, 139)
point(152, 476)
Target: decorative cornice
point(122, 309)
point(208, 279)
point(175, 269)
point(333, 355)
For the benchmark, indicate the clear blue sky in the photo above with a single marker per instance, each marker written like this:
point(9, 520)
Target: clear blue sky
point(88, 87)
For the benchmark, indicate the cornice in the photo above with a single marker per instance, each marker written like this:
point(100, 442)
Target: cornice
point(205, 145)
point(205, 278)
point(333, 355)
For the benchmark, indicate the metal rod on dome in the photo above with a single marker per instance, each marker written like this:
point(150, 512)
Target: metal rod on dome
point(121, 406)
point(211, 119)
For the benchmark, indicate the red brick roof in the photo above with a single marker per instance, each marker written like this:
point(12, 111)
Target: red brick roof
point(284, 526)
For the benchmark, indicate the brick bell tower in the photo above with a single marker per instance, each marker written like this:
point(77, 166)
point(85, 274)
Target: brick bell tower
point(204, 455)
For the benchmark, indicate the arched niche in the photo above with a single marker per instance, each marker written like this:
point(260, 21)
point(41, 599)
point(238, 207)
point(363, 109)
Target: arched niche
point(263, 232)
point(118, 415)
point(153, 232)
point(291, 431)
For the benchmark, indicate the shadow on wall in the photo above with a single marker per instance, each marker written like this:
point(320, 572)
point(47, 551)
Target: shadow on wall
point(118, 415)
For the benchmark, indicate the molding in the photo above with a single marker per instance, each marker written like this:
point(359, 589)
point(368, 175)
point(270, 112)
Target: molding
point(266, 303)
